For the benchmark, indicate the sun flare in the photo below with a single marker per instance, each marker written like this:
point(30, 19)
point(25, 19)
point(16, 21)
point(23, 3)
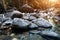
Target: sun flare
point(53, 1)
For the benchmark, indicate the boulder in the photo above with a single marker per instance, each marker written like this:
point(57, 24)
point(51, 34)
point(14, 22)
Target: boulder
point(50, 35)
point(32, 25)
point(14, 14)
point(21, 23)
point(42, 23)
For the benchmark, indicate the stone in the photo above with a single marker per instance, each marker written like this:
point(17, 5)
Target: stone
point(32, 18)
point(26, 17)
point(42, 23)
point(21, 23)
point(1, 15)
point(34, 32)
point(7, 23)
point(32, 25)
point(50, 35)
point(57, 18)
point(16, 15)
point(4, 19)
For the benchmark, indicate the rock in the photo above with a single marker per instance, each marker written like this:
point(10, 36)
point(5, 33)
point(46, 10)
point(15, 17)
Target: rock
point(34, 32)
point(1, 15)
point(32, 18)
point(4, 19)
point(26, 17)
point(42, 23)
point(32, 25)
point(50, 35)
point(1, 19)
point(16, 11)
point(56, 18)
point(16, 15)
point(9, 14)
point(37, 15)
point(21, 23)
point(7, 23)
point(32, 14)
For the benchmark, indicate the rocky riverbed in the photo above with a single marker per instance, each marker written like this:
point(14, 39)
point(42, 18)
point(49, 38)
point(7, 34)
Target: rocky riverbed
point(15, 25)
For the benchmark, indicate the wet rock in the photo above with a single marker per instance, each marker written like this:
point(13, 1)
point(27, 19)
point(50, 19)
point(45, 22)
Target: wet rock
point(4, 19)
point(33, 35)
point(32, 14)
point(32, 18)
point(32, 25)
point(1, 19)
point(37, 15)
point(7, 23)
point(50, 35)
point(1, 15)
point(57, 18)
point(42, 23)
point(34, 32)
point(16, 15)
point(26, 17)
point(20, 22)
point(9, 14)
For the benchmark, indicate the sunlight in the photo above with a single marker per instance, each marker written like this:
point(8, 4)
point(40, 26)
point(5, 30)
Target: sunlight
point(53, 1)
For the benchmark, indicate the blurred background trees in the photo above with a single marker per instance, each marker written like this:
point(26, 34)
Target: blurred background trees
point(36, 4)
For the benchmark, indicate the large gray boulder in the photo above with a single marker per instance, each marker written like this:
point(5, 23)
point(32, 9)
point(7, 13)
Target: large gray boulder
point(21, 23)
point(42, 23)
